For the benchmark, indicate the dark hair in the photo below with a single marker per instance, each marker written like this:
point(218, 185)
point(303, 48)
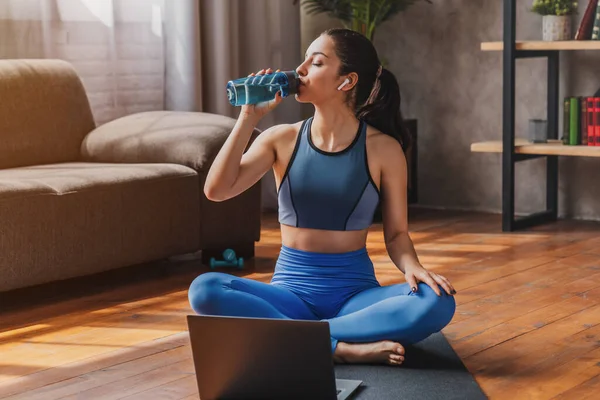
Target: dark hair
point(357, 54)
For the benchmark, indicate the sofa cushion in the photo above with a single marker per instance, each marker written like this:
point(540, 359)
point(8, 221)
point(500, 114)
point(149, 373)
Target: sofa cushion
point(12, 188)
point(44, 113)
point(69, 177)
point(93, 218)
point(180, 137)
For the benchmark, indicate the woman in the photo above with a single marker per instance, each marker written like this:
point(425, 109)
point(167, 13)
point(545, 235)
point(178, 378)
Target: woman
point(328, 190)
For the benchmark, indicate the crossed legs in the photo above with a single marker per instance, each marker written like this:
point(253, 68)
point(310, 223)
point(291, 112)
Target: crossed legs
point(384, 317)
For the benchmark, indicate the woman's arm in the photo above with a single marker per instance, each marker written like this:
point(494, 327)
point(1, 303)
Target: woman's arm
point(233, 171)
point(398, 243)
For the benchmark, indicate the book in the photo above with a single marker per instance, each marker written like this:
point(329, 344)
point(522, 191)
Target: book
point(597, 120)
point(583, 133)
point(587, 22)
point(581, 121)
point(590, 133)
point(596, 27)
point(566, 120)
point(574, 114)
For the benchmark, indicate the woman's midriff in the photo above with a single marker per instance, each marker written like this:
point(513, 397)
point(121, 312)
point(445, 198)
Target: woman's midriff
point(322, 241)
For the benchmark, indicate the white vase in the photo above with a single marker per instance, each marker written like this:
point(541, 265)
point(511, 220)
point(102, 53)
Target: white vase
point(556, 27)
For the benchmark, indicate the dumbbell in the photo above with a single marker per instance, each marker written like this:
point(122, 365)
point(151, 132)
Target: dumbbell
point(229, 260)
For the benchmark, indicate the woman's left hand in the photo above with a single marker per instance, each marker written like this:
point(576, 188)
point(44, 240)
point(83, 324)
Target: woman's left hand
point(416, 273)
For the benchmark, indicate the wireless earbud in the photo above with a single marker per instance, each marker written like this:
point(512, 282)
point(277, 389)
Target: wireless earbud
point(347, 81)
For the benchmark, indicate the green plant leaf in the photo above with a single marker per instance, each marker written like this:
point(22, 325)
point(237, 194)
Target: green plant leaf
point(554, 7)
point(339, 9)
point(363, 16)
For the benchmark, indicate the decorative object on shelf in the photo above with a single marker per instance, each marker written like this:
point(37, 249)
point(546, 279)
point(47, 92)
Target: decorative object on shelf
point(538, 131)
point(556, 27)
point(359, 15)
point(587, 22)
point(556, 18)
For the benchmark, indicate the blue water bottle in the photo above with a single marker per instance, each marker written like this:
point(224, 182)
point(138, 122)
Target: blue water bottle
point(259, 88)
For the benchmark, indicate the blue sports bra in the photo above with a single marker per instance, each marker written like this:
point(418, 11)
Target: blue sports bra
point(328, 190)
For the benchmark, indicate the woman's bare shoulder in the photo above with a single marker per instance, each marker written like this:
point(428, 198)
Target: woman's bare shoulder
point(383, 145)
point(282, 131)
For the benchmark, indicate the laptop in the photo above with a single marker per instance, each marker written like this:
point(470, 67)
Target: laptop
point(262, 358)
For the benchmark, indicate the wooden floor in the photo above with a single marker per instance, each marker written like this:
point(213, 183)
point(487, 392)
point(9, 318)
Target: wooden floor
point(527, 323)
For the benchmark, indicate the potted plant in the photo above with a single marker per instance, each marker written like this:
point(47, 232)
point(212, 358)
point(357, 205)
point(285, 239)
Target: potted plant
point(363, 16)
point(556, 18)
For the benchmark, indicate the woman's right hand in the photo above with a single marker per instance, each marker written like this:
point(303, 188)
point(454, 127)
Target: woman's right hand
point(259, 110)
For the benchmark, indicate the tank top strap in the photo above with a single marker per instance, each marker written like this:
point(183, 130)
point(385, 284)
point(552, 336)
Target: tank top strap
point(305, 131)
point(363, 133)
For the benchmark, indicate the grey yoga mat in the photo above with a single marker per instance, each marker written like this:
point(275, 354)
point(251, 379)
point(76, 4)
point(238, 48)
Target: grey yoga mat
point(432, 370)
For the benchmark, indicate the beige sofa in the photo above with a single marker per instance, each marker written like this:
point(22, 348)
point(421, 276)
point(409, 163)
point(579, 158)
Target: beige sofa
point(76, 199)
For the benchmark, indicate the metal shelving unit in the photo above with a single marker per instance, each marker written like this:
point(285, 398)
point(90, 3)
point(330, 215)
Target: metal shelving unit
point(514, 151)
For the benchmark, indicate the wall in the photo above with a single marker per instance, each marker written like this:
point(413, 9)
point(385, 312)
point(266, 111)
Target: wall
point(454, 90)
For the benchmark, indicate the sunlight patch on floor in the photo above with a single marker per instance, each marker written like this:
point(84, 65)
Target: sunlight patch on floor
point(8, 335)
point(465, 248)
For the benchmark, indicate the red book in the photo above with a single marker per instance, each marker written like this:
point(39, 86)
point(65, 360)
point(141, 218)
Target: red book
point(587, 22)
point(597, 120)
point(583, 139)
point(590, 107)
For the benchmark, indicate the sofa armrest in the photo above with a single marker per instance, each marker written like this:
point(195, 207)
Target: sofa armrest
point(192, 139)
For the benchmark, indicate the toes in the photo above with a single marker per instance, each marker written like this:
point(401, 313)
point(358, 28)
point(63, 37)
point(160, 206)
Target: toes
point(392, 361)
point(396, 357)
point(395, 347)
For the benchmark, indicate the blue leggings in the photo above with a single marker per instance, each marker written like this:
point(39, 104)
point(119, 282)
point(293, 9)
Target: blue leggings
point(339, 288)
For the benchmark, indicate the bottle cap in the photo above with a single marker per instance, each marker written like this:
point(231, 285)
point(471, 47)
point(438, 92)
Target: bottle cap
point(293, 80)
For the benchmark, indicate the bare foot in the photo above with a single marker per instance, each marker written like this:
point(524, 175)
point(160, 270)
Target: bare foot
point(385, 351)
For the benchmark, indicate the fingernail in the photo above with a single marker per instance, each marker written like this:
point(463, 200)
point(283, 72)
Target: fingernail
point(414, 289)
point(453, 292)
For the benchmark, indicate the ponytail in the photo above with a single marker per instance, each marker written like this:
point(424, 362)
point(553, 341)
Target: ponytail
point(376, 97)
point(382, 109)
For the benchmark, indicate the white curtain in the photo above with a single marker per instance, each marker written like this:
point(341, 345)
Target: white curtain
point(116, 46)
point(212, 41)
point(136, 55)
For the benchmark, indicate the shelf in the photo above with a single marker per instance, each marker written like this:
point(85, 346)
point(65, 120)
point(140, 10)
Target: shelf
point(553, 148)
point(545, 46)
